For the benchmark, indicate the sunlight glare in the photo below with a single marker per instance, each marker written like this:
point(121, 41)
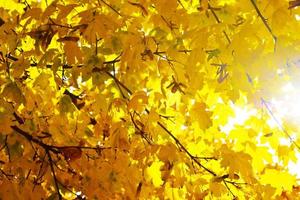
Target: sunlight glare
point(241, 115)
point(287, 107)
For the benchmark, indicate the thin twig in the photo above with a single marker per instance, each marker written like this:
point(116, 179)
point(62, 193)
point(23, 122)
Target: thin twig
point(185, 150)
point(228, 189)
point(205, 158)
point(265, 22)
point(120, 83)
point(110, 7)
point(8, 176)
point(180, 3)
point(169, 132)
point(33, 139)
point(53, 174)
point(219, 22)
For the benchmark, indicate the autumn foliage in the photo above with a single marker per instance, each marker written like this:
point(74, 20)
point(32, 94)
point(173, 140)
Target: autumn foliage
point(148, 99)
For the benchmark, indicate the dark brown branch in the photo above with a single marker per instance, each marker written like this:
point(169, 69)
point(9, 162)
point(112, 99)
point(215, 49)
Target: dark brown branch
point(205, 158)
point(110, 7)
point(53, 23)
point(180, 3)
point(33, 139)
point(236, 184)
point(38, 179)
point(225, 183)
point(219, 22)
point(52, 148)
point(120, 83)
point(5, 143)
point(264, 21)
point(140, 131)
point(53, 174)
point(81, 147)
point(164, 52)
point(8, 176)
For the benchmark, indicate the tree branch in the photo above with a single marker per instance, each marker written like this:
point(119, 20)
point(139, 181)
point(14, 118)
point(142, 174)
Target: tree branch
point(53, 174)
point(110, 7)
point(33, 139)
point(185, 150)
point(265, 22)
point(219, 22)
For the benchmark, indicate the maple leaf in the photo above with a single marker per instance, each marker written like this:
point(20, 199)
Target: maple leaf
point(202, 116)
point(237, 162)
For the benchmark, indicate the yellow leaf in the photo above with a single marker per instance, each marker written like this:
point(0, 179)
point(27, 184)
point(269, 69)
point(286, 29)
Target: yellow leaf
point(12, 92)
point(66, 105)
point(42, 81)
point(237, 162)
point(218, 189)
point(168, 153)
point(201, 114)
point(5, 123)
point(153, 173)
point(282, 181)
point(138, 101)
point(73, 52)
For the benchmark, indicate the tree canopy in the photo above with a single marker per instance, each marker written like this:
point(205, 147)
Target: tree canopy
point(148, 99)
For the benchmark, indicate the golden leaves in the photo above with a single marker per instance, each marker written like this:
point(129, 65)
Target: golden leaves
point(167, 153)
point(280, 180)
point(100, 27)
point(12, 92)
point(166, 7)
point(218, 189)
point(66, 105)
point(138, 101)
point(42, 81)
point(72, 51)
point(43, 36)
point(5, 122)
point(129, 99)
point(237, 162)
